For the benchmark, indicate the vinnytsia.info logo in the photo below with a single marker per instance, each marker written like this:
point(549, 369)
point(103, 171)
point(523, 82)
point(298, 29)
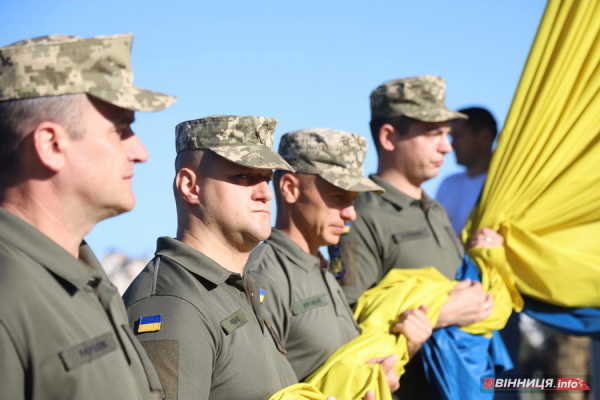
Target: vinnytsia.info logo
point(516, 383)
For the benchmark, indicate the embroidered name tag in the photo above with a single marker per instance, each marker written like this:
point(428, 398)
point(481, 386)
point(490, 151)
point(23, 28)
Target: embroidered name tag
point(412, 235)
point(234, 321)
point(309, 304)
point(88, 351)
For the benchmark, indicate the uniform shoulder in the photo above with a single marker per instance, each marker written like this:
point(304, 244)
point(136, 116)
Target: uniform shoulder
point(16, 276)
point(265, 267)
point(162, 276)
point(367, 200)
point(260, 258)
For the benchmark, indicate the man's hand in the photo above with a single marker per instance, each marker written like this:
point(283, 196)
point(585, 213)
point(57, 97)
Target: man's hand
point(370, 395)
point(388, 363)
point(467, 303)
point(415, 325)
point(486, 238)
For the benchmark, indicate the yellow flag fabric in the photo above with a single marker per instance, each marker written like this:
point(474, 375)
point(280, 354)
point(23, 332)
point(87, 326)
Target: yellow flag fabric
point(346, 375)
point(299, 391)
point(542, 191)
point(542, 194)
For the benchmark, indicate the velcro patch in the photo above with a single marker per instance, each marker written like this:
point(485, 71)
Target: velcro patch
point(234, 321)
point(412, 235)
point(88, 351)
point(308, 304)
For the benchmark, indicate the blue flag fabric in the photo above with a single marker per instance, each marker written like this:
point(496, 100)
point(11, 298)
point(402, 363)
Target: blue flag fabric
point(572, 321)
point(452, 358)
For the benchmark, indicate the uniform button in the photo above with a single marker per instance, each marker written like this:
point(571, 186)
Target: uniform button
point(243, 294)
point(94, 281)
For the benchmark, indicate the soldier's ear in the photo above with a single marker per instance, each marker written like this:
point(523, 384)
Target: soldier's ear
point(50, 141)
point(289, 187)
point(187, 185)
point(386, 137)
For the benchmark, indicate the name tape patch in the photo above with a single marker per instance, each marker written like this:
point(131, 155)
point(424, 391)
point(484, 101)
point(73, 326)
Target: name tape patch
point(412, 235)
point(308, 304)
point(88, 351)
point(234, 321)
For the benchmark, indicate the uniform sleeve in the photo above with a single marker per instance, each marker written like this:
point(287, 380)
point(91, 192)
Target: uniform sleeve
point(12, 374)
point(275, 304)
point(361, 252)
point(183, 351)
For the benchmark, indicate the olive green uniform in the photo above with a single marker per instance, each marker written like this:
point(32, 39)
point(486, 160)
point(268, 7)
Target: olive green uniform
point(394, 230)
point(213, 341)
point(63, 327)
point(304, 301)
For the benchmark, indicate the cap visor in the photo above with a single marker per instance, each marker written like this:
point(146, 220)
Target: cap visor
point(133, 98)
point(353, 183)
point(256, 156)
point(435, 115)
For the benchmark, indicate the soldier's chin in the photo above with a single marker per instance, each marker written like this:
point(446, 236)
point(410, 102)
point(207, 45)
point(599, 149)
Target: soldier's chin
point(331, 240)
point(119, 209)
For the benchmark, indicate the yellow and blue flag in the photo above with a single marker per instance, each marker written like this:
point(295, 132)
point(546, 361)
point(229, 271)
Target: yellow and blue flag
point(150, 323)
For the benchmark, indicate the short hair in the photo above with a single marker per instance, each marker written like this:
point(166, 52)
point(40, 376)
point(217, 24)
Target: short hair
point(18, 118)
point(400, 124)
point(480, 118)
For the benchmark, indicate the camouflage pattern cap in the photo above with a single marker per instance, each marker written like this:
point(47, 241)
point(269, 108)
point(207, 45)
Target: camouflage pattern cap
point(246, 141)
point(335, 156)
point(60, 64)
point(420, 97)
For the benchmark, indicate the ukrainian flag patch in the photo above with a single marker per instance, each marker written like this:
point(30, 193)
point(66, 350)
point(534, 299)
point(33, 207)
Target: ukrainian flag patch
point(150, 324)
point(346, 227)
point(262, 294)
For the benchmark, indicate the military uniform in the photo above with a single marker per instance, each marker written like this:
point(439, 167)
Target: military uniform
point(63, 329)
point(396, 231)
point(213, 341)
point(303, 300)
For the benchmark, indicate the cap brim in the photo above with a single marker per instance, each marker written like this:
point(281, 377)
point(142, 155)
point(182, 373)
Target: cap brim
point(256, 156)
point(353, 183)
point(134, 98)
point(435, 115)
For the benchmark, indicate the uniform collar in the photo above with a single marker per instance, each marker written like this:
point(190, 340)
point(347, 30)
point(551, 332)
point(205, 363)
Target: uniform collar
point(46, 252)
point(282, 243)
point(400, 199)
point(192, 260)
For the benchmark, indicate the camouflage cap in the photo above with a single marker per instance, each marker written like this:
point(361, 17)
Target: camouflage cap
point(420, 97)
point(60, 64)
point(335, 156)
point(246, 141)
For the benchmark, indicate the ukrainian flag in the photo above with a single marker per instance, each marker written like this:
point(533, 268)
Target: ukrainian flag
point(150, 324)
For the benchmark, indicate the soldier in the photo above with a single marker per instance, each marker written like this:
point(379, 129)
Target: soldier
point(195, 311)
point(313, 206)
point(67, 156)
point(405, 228)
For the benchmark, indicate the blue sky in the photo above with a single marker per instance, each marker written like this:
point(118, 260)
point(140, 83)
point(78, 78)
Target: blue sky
point(308, 64)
